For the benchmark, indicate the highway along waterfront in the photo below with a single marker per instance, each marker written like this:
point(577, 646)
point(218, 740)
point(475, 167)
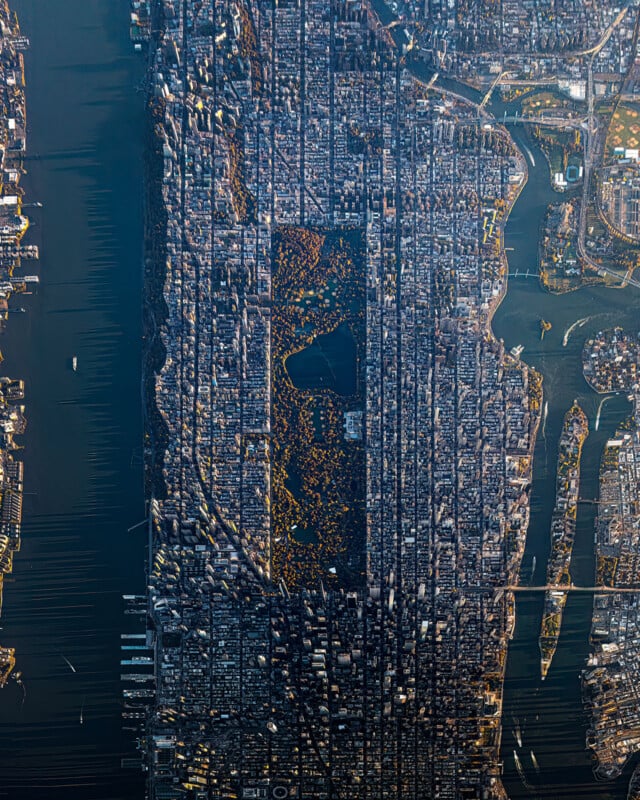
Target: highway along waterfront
point(83, 461)
point(547, 716)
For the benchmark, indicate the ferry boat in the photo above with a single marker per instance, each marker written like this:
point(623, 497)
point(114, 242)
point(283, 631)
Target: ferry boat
point(534, 761)
point(74, 363)
point(516, 732)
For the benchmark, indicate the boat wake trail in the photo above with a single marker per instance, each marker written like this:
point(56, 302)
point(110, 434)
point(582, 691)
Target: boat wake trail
point(602, 402)
point(577, 324)
point(530, 154)
point(521, 773)
point(517, 735)
point(70, 665)
point(534, 761)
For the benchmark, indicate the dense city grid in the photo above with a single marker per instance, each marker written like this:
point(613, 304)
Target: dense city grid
point(389, 684)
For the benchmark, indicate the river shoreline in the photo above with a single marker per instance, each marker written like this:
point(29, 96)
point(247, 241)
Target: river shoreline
point(83, 475)
point(15, 225)
point(555, 722)
point(155, 310)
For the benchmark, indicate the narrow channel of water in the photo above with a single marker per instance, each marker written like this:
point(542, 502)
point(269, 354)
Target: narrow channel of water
point(83, 464)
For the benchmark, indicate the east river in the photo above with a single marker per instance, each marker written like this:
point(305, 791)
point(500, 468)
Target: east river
point(83, 445)
point(83, 449)
point(549, 714)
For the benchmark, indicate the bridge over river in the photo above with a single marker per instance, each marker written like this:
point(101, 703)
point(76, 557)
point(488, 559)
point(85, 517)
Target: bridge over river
point(554, 587)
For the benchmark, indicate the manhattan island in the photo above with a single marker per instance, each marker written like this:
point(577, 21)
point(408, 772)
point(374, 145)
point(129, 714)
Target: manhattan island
point(308, 186)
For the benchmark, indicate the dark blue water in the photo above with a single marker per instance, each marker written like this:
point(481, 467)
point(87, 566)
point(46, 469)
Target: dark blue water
point(83, 446)
point(329, 362)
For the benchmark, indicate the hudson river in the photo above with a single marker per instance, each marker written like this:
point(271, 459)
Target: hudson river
point(83, 449)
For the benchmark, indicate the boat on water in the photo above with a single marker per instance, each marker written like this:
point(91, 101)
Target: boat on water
point(74, 363)
point(69, 664)
point(516, 758)
point(517, 732)
point(530, 154)
point(577, 324)
point(534, 761)
point(518, 764)
point(602, 402)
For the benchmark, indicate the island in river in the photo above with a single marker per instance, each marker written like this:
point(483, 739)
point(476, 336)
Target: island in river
point(563, 528)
